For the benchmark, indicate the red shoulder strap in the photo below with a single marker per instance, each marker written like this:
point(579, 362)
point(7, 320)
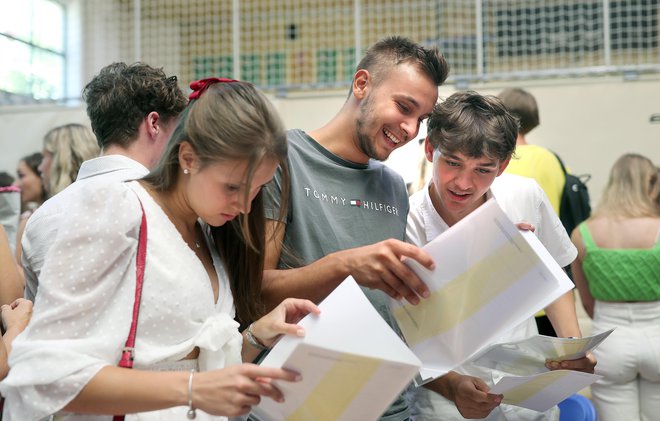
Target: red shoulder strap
point(128, 352)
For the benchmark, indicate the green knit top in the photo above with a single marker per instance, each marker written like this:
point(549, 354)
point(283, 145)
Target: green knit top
point(621, 274)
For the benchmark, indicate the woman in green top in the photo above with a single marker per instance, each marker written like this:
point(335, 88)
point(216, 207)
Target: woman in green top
point(617, 273)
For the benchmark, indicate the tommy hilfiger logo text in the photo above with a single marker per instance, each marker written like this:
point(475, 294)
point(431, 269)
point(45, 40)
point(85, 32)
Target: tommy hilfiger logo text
point(342, 201)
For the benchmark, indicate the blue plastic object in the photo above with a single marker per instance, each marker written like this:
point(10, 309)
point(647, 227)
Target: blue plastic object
point(577, 408)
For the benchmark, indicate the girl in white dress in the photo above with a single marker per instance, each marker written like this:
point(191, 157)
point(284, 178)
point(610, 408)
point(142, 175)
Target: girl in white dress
point(203, 271)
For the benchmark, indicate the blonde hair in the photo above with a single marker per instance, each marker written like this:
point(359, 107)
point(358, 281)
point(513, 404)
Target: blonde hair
point(70, 145)
point(630, 189)
point(655, 189)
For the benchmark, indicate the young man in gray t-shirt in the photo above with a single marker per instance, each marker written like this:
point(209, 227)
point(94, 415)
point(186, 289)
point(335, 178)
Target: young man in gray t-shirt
point(347, 212)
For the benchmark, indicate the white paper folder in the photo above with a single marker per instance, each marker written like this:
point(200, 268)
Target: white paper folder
point(352, 363)
point(528, 356)
point(541, 392)
point(488, 277)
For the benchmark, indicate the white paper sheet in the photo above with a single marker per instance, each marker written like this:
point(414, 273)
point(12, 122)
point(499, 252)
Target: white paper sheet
point(542, 391)
point(529, 355)
point(352, 363)
point(489, 277)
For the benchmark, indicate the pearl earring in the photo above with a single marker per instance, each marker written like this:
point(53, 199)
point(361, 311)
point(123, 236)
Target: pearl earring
point(185, 171)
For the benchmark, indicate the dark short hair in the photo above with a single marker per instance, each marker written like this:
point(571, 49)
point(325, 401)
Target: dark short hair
point(381, 57)
point(474, 125)
point(33, 161)
point(121, 95)
point(5, 179)
point(523, 106)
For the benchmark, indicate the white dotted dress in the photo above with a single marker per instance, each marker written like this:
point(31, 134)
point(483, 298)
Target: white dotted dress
point(83, 311)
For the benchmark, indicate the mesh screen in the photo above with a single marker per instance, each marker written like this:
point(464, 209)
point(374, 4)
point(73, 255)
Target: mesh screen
point(304, 44)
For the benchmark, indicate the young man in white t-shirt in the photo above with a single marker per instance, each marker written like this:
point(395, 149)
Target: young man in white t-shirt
point(470, 141)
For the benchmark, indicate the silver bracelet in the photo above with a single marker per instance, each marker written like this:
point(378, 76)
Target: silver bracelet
point(253, 340)
point(191, 411)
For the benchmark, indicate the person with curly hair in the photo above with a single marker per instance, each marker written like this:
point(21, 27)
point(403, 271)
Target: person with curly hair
point(133, 109)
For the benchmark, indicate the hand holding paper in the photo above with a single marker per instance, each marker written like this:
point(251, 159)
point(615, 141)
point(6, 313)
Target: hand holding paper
point(542, 391)
point(282, 320)
point(530, 355)
point(546, 389)
point(470, 394)
point(352, 363)
point(380, 266)
point(483, 265)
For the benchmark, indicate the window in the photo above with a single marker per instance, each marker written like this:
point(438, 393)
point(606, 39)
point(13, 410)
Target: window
point(32, 42)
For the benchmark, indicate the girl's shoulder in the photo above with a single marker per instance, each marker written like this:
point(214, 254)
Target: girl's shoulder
point(614, 232)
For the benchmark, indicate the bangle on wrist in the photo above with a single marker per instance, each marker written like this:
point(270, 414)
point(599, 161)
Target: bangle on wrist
point(253, 340)
point(191, 410)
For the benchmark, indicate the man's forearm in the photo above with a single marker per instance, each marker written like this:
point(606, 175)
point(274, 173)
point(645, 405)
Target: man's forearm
point(563, 317)
point(443, 385)
point(314, 281)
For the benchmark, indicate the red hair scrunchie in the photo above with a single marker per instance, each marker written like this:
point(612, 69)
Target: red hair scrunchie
point(199, 86)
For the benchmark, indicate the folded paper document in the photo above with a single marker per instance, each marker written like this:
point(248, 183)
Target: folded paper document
point(488, 277)
point(352, 363)
point(542, 391)
point(530, 355)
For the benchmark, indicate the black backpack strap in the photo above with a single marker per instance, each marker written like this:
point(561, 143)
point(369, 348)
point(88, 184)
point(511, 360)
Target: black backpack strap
point(560, 162)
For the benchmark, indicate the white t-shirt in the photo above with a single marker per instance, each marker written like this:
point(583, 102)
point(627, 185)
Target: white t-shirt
point(523, 200)
point(87, 289)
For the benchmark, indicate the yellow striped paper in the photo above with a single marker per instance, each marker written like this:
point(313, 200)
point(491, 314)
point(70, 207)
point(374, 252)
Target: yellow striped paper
point(522, 393)
point(466, 294)
point(338, 388)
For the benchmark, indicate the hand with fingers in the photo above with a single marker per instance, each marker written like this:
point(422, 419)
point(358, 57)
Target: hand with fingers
point(586, 364)
point(380, 266)
point(282, 320)
point(524, 226)
point(234, 390)
point(471, 397)
point(15, 316)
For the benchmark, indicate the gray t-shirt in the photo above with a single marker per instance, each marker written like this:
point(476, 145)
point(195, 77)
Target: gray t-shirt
point(335, 205)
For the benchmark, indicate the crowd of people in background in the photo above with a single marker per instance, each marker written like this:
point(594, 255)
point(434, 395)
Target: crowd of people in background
point(202, 199)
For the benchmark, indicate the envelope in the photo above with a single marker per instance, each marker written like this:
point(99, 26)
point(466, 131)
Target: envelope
point(352, 363)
